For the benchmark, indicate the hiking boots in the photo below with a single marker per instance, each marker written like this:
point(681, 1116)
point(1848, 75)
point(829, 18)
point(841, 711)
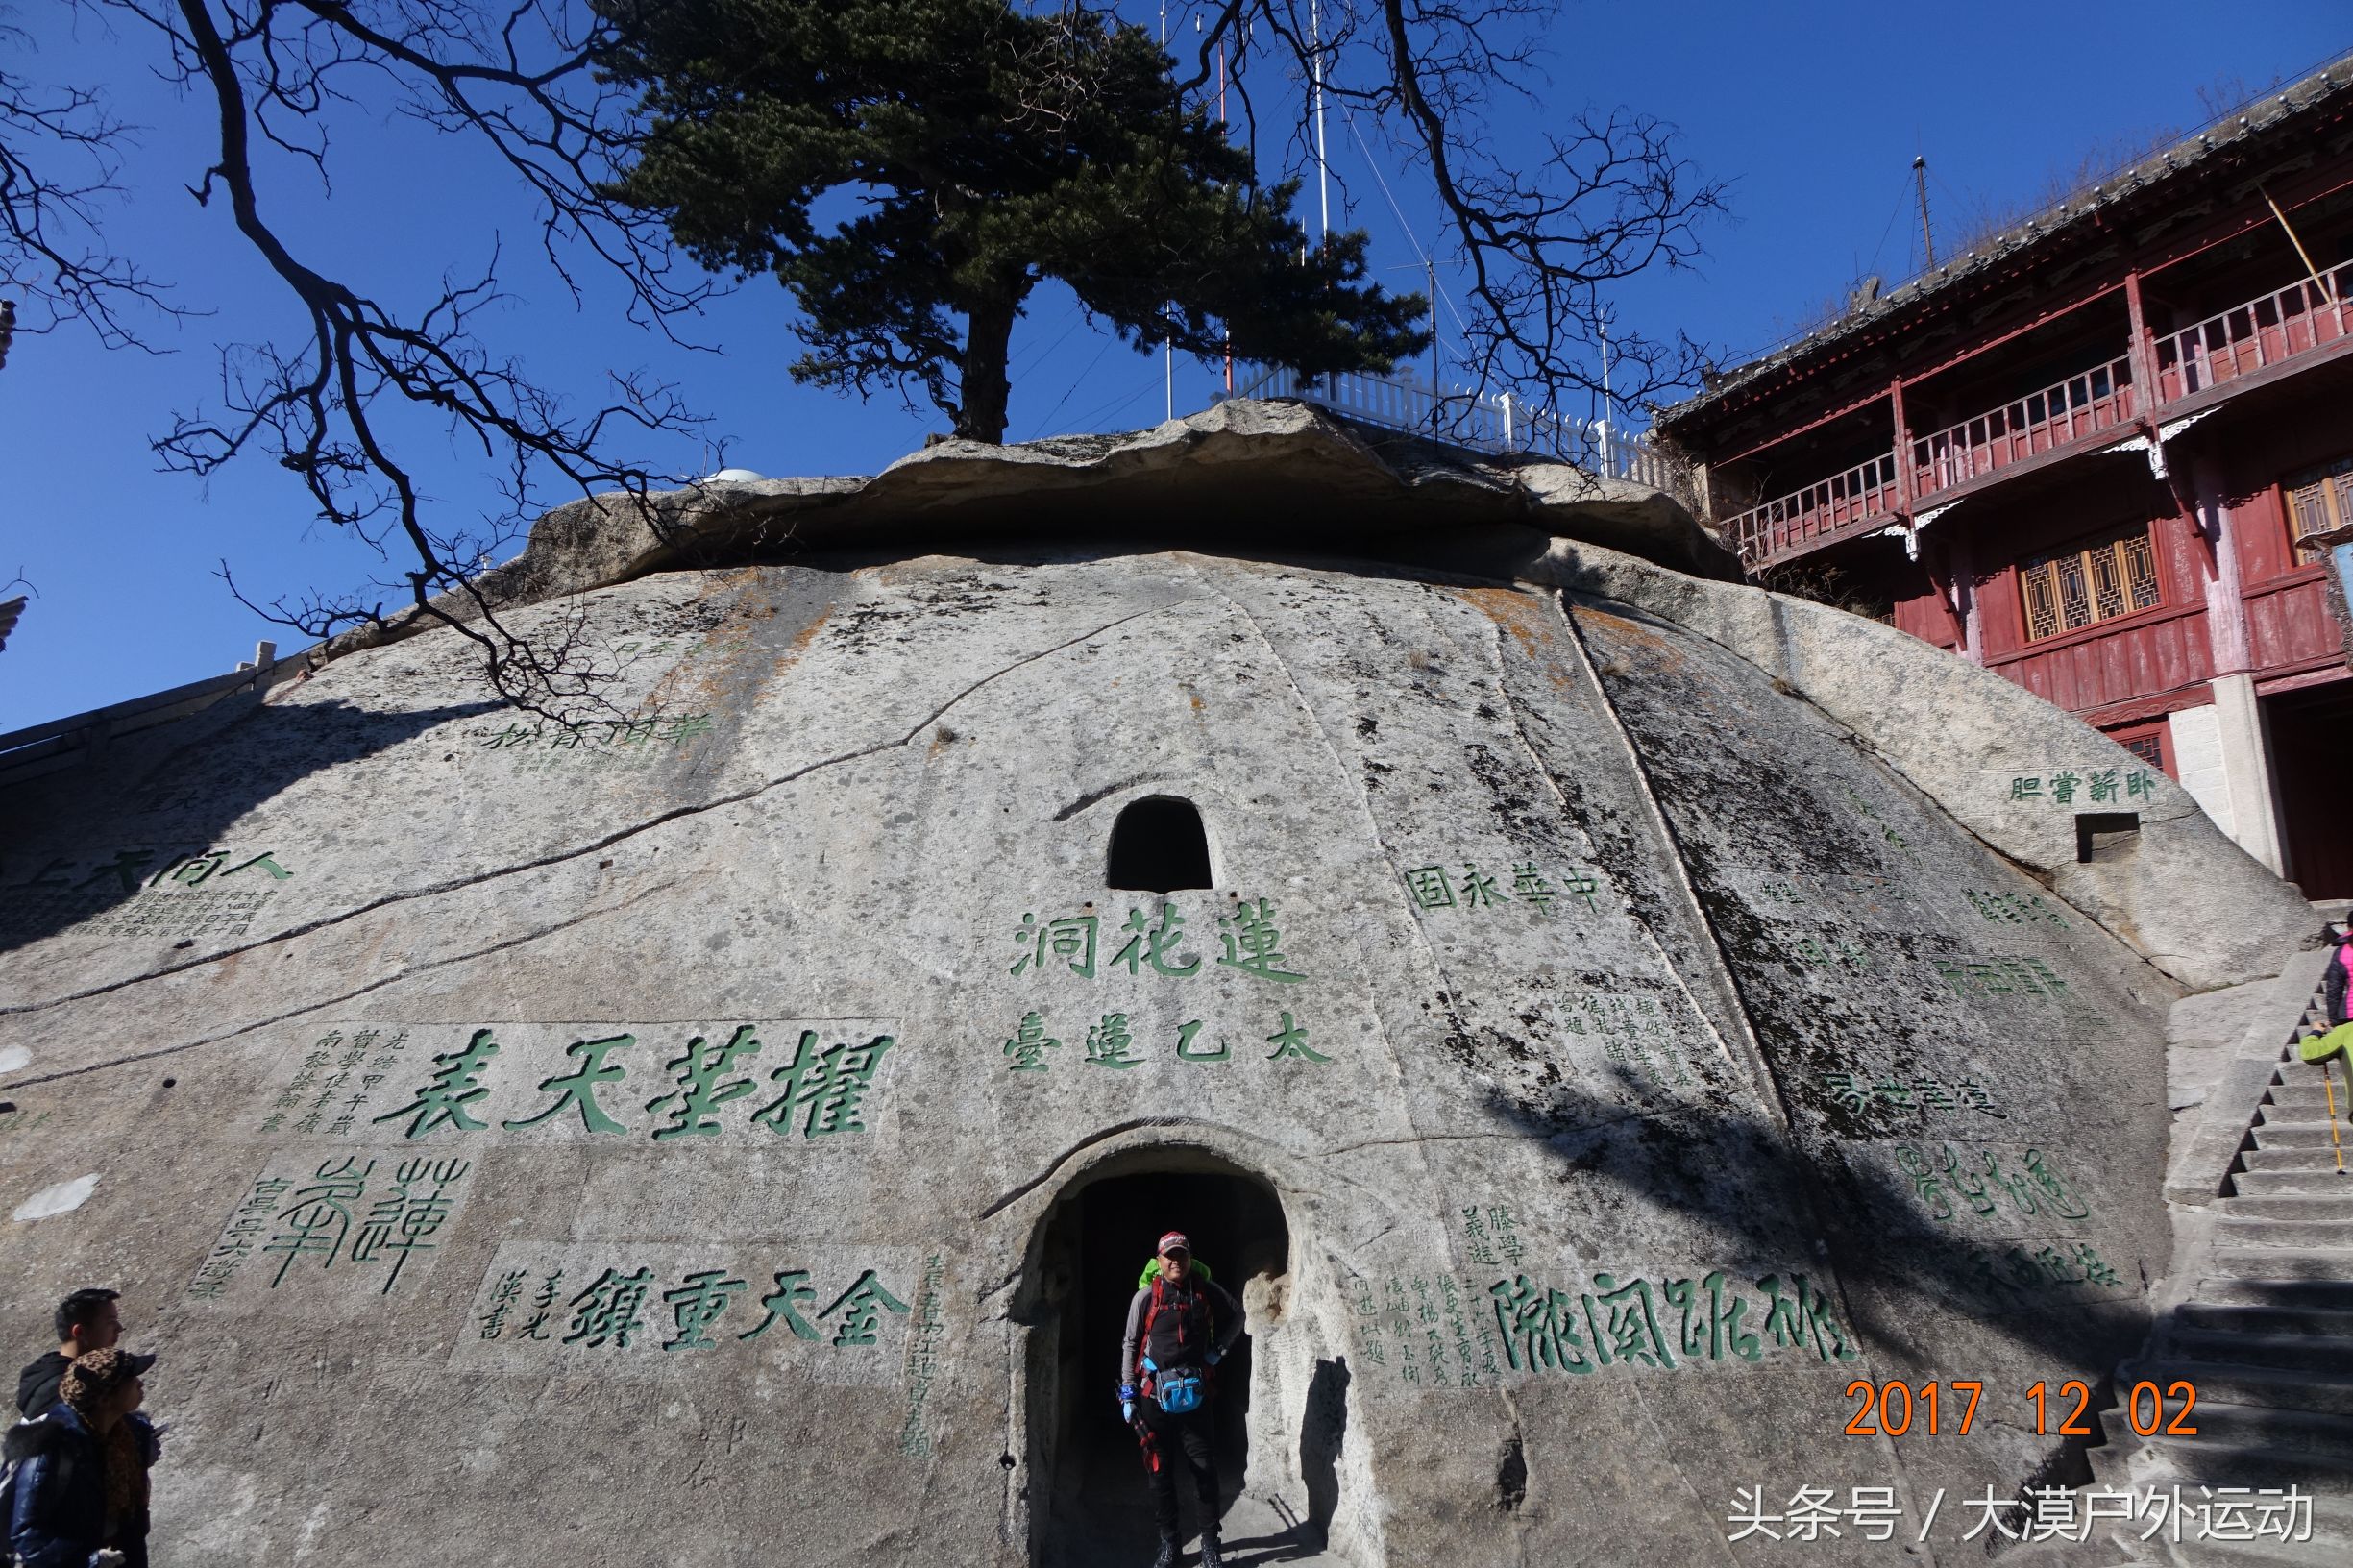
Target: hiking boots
point(1209, 1552)
point(1167, 1557)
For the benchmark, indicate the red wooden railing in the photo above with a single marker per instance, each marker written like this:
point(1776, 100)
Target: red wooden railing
point(1862, 494)
point(2270, 330)
point(2264, 331)
point(2083, 404)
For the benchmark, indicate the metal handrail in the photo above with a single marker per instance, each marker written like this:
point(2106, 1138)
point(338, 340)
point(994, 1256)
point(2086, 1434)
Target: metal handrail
point(2081, 405)
point(1486, 422)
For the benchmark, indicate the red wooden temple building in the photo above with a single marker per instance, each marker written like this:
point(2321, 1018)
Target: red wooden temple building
point(2109, 454)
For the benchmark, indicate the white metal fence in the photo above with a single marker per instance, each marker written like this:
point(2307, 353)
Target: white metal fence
point(1495, 421)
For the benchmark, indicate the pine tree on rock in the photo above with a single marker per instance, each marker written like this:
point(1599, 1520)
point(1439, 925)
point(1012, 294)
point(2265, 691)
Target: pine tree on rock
point(899, 164)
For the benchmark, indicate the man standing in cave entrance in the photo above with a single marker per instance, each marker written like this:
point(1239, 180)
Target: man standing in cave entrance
point(1180, 1325)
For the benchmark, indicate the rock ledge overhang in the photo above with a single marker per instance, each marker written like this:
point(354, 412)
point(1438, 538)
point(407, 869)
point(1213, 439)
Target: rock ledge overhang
point(1247, 478)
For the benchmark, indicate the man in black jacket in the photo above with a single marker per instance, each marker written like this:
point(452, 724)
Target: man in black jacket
point(1178, 1327)
point(87, 1320)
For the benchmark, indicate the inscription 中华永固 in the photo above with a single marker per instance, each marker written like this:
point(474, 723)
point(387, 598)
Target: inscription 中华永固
point(1435, 888)
point(831, 1310)
point(1111, 1044)
point(329, 1235)
point(672, 1084)
point(1970, 1185)
point(1250, 937)
point(143, 891)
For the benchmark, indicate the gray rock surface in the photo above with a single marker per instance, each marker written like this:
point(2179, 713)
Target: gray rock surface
point(732, 1130)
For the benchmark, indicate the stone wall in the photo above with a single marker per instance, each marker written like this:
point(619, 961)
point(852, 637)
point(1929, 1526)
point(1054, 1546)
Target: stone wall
point(671, 1139)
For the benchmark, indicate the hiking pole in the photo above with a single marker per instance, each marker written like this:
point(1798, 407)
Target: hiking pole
point(2328, 1087)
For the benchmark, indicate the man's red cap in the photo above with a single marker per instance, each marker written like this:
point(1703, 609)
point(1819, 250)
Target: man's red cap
point(1174, 1238)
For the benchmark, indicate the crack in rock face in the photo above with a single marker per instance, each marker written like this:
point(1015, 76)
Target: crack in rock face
point(1579, 1050)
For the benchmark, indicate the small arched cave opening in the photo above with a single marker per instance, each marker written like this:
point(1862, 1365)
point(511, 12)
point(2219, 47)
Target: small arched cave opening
point(1157, 845)
point(1087, 1467)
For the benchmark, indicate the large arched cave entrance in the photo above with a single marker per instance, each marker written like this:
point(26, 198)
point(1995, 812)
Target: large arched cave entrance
point(1090, 1494)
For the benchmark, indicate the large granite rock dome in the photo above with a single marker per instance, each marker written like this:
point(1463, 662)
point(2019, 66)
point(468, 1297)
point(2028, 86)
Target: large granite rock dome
point(1621, 1010)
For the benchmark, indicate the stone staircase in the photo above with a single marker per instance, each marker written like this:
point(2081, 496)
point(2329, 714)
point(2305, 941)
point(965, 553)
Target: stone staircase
point(2262, 1326)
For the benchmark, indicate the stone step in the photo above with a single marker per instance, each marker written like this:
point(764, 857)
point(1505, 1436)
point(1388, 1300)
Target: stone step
point(2299, 1265)
point(2315, 1352)
point(2324, 1295)
point(2205, 1460)
point(2319, 1232)
point(2265, 1321)
point(2318, 1157)
point(2272, 1388)
point(2324, 1204)
point(2301, 1134)
point(2319, 1433)
point(2305, 1093)
point(2320, 1179)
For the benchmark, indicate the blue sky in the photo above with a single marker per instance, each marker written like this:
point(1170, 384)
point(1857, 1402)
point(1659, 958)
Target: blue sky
point(1812, 114)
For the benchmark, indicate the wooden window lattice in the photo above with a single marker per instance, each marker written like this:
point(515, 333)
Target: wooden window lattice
point(2149, 749)
point(2320, 500)
point(2116, 574)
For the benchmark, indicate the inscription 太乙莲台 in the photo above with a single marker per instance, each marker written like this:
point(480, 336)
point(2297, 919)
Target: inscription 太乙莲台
point(1251, 939)
point(1110, 1044)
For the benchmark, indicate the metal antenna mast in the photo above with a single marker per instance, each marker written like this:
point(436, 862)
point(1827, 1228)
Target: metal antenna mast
point(1323, 169)
point(1919, 178)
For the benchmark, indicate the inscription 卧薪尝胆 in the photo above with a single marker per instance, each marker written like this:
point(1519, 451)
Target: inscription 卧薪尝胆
point(1110, 1044)
point(2068, 787)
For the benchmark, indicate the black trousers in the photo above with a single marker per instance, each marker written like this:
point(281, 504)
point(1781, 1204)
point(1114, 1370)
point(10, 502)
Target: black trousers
point(1189, 1439)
